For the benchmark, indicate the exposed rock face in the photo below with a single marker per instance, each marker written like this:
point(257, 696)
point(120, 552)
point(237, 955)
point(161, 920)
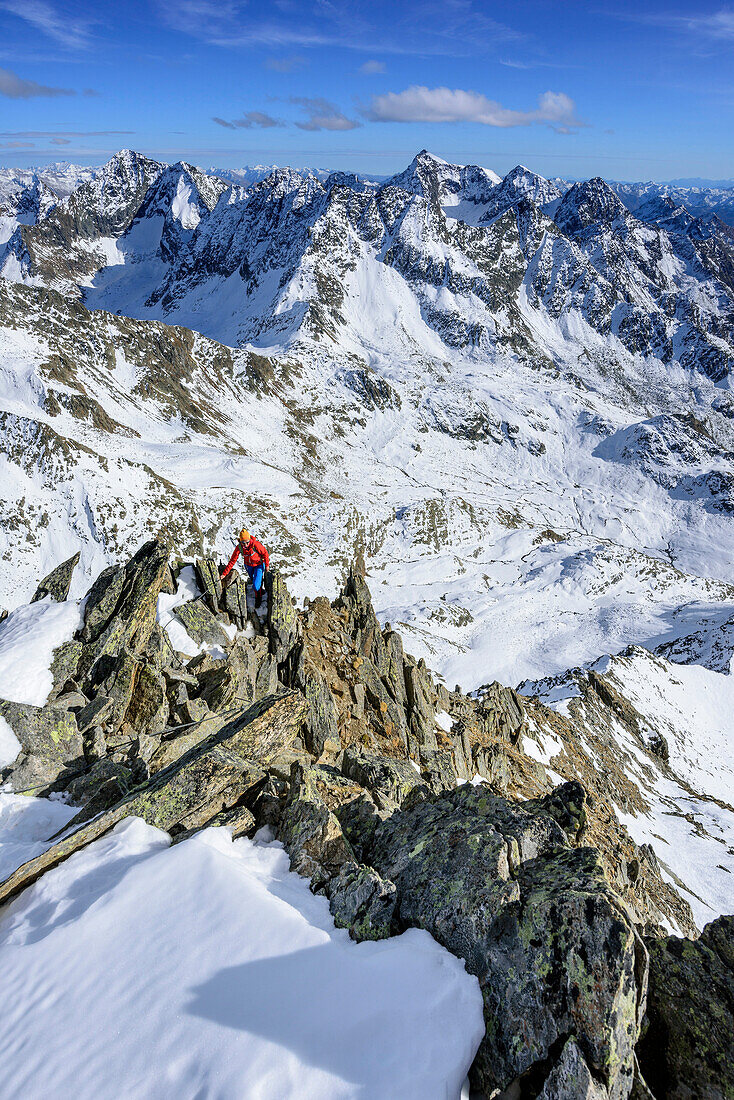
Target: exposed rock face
point(201, 624)
point(318, 725)
point(687, 1048)
point(208, 779)
point(362, 902)
point(50, 740)
point(58, 582)
point(311, 833)
point(535, 920)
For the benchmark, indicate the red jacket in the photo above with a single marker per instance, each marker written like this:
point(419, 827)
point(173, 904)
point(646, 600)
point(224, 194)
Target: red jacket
point(253, 554)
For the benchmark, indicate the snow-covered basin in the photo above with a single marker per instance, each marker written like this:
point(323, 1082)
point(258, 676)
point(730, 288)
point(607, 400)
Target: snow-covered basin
point(208, 969)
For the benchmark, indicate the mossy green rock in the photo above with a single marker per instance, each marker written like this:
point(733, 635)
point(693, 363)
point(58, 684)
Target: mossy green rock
point(207, 574)
point(50, 740)
point(390, 781)
point(687, 1049)
point(211, 777)
point(282, 618)
point(310, 832)
point(571, 1079)
point(556, 956)
point(362, 902)
point(201, 625)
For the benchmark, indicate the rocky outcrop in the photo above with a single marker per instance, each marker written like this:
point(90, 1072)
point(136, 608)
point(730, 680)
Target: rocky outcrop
point(58, 582)
point(687, 1048)
point(319, 725)
point(212, 777)
point(362, 902)
point(535, 920)
point(50, 740)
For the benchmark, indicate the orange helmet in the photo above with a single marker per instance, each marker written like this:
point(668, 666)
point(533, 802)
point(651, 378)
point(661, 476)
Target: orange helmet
point(244, 535)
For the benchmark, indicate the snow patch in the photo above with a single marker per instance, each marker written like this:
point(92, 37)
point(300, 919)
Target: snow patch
point(28, 638)
point(235, 974)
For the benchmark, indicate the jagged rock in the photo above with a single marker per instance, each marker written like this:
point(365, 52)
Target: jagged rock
point(391, 716)
point(95, 744)
point(50, 740)
point(500, 712)
point(310, 832)
point(282, 622)
point(390, 781)
point(201, 624)
point(234, 600)
point(440, 769)
point(266, 680)
point(193, 710)
point(207, 575)
point(359, 818)
point(268, 806)
point(551, 944)
point(393, 675)
point(64, 663)
point(230, 682)
point(179, 676)
point(687, 1049)
point(104, 784)
point(101, 602)
point(58, 582)
point(566, 804)
point(120, 616)
point(239, 820)
point(174, 747)
point(212, 776)
point(147, 712)
point(321, 721)
point(365, 625)
point(570, 1078)
point(362, 902)
point(94, 712)
point(72, 700)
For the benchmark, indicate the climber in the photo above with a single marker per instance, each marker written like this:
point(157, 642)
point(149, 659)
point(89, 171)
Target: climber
point(255, 558)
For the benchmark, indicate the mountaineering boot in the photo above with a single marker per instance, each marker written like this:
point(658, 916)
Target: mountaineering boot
point(258, 599)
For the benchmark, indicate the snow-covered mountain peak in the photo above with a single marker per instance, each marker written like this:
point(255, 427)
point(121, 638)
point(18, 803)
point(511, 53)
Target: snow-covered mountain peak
point(590, 203)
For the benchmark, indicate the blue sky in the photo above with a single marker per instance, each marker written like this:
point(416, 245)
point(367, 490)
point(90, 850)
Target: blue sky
point(627, 90)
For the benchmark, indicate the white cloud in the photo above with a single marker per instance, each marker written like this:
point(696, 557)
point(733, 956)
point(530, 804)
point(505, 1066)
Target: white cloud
point(251, 120)
point(371, 67)
point(14, 87)
point(421, 104)
point(64, 27)
point(322, 115)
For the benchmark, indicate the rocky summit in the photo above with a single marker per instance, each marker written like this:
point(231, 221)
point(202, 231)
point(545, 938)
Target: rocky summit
point(404, 804)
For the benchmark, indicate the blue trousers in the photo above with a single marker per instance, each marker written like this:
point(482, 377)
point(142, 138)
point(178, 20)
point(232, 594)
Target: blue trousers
point(256, 574)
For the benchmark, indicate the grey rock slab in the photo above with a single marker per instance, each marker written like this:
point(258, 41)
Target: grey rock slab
point(362, 902)
point(201, 625)
point(225, 762)
point(58, 582)
point(536, 922)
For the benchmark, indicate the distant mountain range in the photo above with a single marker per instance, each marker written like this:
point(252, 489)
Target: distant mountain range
point(511, 395)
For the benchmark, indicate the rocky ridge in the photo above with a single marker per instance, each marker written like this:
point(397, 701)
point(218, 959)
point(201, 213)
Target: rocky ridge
point(317, 724)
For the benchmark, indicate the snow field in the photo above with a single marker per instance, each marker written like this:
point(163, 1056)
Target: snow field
point(229, 980)
point(28, 638)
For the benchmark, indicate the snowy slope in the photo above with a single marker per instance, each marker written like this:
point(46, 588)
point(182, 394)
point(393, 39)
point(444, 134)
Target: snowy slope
point(671, 727)
point(233, 971)
point(525, 425)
